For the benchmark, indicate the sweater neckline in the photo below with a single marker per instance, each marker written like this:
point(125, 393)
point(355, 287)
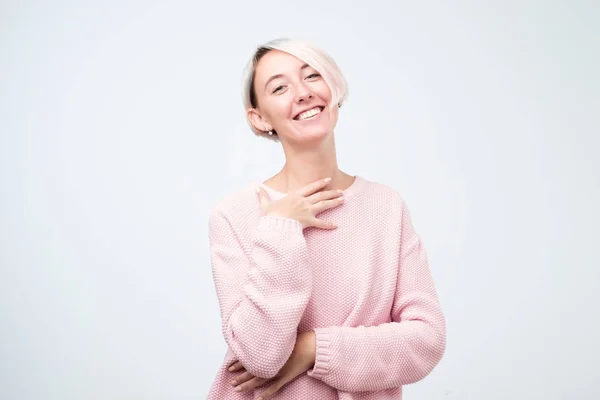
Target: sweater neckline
point(348, 192)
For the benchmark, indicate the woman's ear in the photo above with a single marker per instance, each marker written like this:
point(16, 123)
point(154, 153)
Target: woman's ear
point(257, 120)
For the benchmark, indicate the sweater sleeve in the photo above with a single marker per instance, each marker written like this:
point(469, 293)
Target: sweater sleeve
point(392, 354)
point(263, 292)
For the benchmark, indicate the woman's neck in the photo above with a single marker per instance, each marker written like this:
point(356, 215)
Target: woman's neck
point(307, 166)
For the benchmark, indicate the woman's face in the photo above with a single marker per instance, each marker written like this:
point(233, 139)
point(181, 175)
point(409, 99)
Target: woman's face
point(292, 98)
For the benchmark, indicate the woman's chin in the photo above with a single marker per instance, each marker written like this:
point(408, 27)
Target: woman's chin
point(310, 135)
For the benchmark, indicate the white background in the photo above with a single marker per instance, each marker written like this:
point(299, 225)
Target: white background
point(121, 125)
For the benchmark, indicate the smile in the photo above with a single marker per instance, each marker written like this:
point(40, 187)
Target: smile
point(309, 114)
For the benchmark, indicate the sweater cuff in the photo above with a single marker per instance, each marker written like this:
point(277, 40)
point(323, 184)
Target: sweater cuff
point(323, 354)
point(279, 224)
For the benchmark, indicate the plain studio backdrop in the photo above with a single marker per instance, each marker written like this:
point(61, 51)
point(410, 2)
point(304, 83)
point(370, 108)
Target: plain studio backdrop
point(122, 124)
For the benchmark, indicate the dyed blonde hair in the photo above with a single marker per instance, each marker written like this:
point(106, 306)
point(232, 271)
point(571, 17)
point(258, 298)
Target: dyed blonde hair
point(305, 51)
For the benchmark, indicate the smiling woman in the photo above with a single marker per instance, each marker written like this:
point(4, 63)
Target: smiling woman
point(277, 67)
point(323, 284)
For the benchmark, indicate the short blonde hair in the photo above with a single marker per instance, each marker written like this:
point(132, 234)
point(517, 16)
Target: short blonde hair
point(305, 51)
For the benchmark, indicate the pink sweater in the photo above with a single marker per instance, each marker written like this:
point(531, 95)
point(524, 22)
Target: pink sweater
point(365, 288)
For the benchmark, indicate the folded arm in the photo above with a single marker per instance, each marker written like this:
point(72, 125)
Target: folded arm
point(392, 354)
point(263, 292)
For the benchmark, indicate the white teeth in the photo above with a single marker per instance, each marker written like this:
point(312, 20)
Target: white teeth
point(310, 113)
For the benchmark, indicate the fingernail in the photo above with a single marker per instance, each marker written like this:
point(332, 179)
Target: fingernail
point(231, 368)
point(238, 389)
point(260, 398)
point(257, 190)
point(340, 191)
point(327, 179)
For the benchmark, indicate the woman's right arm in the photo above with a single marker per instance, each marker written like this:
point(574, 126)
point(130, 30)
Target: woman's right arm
point(262, 295)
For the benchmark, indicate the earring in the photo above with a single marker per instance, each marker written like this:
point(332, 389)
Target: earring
point(340, 105)
point(270, 133)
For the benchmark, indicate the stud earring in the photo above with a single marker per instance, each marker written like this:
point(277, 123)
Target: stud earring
point(339, 105)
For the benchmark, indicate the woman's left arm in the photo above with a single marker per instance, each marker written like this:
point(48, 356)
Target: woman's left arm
point(392, 354)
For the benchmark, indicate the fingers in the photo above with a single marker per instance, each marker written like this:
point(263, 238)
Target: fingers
point(320, 196)
point(263, 197)
point(242, 378)
point(235, 366)
point(327, 204)
point(313, 187)
point(250, 384)
point(322, 224)
point(245, 381)
point(322, 206)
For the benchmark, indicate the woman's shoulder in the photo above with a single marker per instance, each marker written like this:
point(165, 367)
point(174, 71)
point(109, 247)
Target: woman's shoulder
point(385, 204)
point(237, 202)
point(381, 192)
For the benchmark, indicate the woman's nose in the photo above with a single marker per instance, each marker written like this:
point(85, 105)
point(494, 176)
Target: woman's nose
point(303, 93)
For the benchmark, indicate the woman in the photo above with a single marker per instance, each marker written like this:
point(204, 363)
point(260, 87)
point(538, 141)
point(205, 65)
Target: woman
point(323, 284)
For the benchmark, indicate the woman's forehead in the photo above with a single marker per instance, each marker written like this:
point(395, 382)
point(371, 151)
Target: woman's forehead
point(278, 63)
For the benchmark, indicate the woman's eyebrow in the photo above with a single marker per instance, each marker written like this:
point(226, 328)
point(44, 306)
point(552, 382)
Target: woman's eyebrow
point(271, 78)
point(281, 75)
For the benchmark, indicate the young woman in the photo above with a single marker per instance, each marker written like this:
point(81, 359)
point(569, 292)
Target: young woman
point(323, 284)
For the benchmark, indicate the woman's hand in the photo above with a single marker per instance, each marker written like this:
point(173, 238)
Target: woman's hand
point(303, 204)
point(301, 360)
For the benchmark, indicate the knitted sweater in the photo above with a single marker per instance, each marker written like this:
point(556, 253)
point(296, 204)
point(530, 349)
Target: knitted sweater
point(365, 288)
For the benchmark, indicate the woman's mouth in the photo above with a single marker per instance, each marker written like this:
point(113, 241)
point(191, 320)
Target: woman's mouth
point(309, 114)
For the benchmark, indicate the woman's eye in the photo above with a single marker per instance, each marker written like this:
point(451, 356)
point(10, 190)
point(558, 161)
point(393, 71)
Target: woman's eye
point(313, 75)
point(277, 89)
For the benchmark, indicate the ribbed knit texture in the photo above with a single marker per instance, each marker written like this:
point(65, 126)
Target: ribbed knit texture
point(365, 288)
